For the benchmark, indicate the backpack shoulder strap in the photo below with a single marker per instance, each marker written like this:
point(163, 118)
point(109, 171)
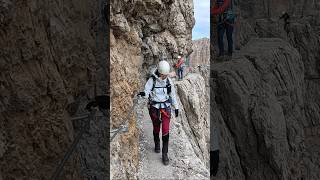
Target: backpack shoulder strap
point(168, 86)
point(154, 82)
point(168, 82)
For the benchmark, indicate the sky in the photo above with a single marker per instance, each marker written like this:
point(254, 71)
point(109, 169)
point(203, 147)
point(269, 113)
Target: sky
point(202, 16)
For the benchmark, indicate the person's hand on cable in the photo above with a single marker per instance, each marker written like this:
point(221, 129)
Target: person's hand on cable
point(142, 94)
point(176, 111)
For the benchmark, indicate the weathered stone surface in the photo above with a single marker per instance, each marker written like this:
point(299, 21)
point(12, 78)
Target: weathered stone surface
point(272, 9)
point(201, 52)
point(278, 125)
point(47, 62)
point(164, 27)
point(260, 98)
point(194, 97)
point(125, 59)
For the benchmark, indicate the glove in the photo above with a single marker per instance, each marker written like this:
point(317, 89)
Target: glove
point(176, 111)
point(142, 94)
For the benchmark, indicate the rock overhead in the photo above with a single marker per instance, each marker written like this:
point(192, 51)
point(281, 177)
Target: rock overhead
point(265, 99)
point(48, 69)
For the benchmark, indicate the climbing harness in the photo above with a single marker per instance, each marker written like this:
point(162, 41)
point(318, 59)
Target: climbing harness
point(162, 111)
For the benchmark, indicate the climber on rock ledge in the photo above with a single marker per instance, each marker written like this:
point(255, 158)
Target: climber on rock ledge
point(226, 19)
point(161, 92)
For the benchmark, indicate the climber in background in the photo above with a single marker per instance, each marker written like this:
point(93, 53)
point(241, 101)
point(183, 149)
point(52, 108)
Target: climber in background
point(180, 66)
point(226, 19)
point(161, 92)
point(285, 16)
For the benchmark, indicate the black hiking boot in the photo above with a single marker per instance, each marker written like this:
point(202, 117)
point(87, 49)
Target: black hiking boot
point(156, 142)
point(165, 159)
point(165, 141)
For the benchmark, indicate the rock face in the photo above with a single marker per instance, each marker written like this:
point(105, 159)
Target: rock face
point(194, 96)
point(48, 63)
point(251, 13)
point(201, 52)
point(273, 9)
point(142, 32)
point(265, 100)
point(260, 100)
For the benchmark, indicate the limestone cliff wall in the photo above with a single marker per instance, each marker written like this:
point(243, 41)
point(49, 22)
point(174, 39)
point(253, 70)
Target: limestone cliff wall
point(194, 96)
point(201, 52)
point(142, 33)
point(47, 62)
point(265, 100)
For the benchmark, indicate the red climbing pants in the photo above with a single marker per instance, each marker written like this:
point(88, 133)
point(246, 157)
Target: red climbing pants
point(160, 117)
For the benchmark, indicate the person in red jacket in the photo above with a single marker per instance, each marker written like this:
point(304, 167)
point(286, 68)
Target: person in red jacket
point(224, 11)
point(180, 65)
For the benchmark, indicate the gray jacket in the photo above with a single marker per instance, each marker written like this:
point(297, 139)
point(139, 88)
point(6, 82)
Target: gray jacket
point(160, 94)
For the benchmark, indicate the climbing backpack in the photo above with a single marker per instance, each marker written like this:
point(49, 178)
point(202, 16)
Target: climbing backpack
point(168, 85)
point(149, 75)
point(229, 14)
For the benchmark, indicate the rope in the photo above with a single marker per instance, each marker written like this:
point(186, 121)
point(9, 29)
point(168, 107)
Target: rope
point(75, 142)
point(79, 117)
point(124, 127)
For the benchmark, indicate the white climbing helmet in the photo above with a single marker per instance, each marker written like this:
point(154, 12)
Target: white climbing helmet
point(179, 57)
point(164, 67)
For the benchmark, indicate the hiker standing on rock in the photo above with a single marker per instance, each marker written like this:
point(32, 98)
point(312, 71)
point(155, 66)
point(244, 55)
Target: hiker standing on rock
point(226, 18)
point(161, 92)
point(180, 66)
